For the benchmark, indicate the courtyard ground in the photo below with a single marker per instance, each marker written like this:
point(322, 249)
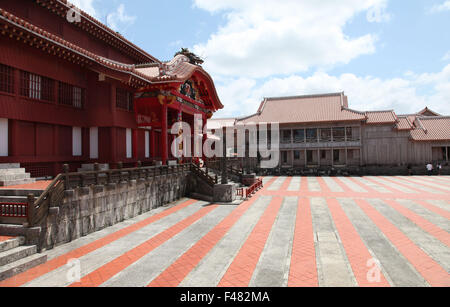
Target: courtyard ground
point(297, 231)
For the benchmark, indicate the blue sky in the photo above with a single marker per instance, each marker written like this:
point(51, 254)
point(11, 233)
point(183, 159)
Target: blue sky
point(385, 54)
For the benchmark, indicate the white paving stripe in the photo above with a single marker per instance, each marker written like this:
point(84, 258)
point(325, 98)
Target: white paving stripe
point(355, 187)
point(333, 266)
point(430, 216)
point(395, 266)
point(439, 185)
point(213, 266)
point(416, 186)
point(294, 186)
point(334, 187)
point(425, 241)
point(443, 204)
point(393, 185)
point(70, 246)
point(273, 266)
point(372, 185)
point(276, 185)
point(105, 254)
point(313, 184)
point(142, 272)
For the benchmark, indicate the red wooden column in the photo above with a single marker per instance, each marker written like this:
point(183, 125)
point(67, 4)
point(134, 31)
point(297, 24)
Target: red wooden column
point(164, 135)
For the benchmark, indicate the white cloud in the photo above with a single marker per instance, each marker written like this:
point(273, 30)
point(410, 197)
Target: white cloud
point(446, 57)
point(440, 7)
point(119, 20)
point(265, 37)
point(378, 13)
point(365, 93)
point(86, 5)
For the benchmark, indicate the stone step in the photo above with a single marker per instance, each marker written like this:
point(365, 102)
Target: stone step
point(9, 165)
point(12, 171)
point(7, 183)
point(22, 265)
point(11, 243)
point(13, 199)
point(19, 192)
point(16, 254)
point(11, 177)
point(203, 197)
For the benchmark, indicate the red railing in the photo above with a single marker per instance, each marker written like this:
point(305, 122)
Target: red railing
point(240, 192)
point(249, 192)
point(19, 210)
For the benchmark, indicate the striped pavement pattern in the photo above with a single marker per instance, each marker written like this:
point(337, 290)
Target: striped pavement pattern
point(295, 232)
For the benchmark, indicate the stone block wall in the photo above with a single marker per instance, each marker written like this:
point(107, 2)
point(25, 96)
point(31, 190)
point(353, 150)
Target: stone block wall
point(90, 209)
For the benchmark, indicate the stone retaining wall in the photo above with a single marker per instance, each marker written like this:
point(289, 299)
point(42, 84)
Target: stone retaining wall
point(90, 209)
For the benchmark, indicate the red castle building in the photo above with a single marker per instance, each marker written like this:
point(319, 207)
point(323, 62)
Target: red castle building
point(74, 91)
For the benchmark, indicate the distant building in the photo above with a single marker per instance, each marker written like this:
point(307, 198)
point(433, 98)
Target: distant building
point(321, 131)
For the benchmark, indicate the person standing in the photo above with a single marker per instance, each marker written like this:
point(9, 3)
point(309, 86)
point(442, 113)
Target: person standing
point(430, 169)
point(439, 168)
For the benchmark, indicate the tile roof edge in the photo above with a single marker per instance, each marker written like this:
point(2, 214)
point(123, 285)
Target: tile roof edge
point(302, 96)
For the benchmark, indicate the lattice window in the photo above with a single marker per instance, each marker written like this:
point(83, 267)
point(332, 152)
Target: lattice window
point(70, 95)
point(6, 79)
point(36, 87)
point(124, 99)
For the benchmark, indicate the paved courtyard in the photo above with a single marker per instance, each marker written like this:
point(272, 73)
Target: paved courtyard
point(297, 231)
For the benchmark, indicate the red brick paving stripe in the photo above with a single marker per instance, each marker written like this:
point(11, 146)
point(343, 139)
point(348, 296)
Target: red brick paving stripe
point(428, 184)
point(241, 270)
point(304, 185)
point(323, 185)
point(107, 271)
point(433, 208)
point(357, 252)
point(286, 184)
point(303, 268)
point(397, 195)
point(426, 225)
point(433, 273)
point(3, 239)
point(62, 260)
point(181, 268)
point(38, 185)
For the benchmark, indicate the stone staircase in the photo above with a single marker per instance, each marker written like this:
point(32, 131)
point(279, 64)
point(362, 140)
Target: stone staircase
point(13, 174)
point(16, 258)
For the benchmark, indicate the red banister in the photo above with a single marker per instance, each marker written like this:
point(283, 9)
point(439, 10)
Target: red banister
point(14, 210)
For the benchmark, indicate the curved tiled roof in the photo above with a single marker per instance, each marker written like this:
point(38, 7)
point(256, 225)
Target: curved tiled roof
point(381, 117)
point(404, 123)
point(305, 109)
point(61, 7)
point(435, 128)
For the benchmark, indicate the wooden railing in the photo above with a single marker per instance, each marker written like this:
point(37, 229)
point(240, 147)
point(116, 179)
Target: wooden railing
point(204, 175)
point(51, 197)
point(102, 177)
point(16, 213)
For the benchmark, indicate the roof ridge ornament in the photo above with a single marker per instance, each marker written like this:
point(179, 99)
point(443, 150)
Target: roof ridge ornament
point(192, 57)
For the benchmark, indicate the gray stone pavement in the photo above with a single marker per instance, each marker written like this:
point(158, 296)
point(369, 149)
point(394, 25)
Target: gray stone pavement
point(402, 222)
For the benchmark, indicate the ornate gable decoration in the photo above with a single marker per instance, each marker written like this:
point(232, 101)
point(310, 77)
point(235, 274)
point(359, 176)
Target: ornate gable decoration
point(190, 90)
